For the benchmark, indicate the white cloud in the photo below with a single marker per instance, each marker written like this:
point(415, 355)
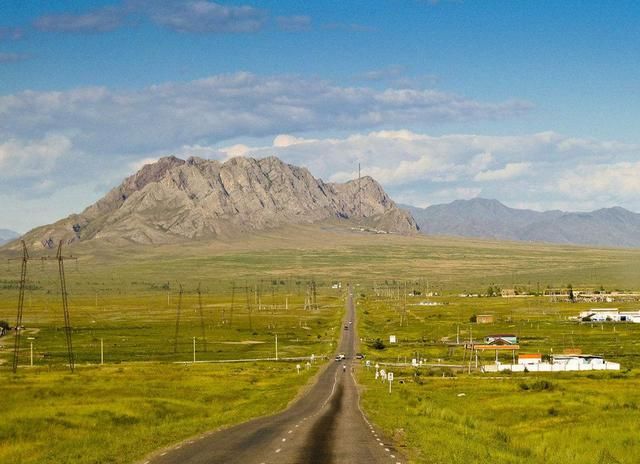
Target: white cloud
point(509, 171)
point(533, 169)
point(226, 106)
point(20, 158)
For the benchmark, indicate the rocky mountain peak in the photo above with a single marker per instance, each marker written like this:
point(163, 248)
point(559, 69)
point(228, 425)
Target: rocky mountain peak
point(174, 200)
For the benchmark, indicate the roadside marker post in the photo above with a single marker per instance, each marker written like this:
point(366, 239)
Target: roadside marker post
point(298, 368)
point(390, 379)
point(194, 349)
point(102, 351)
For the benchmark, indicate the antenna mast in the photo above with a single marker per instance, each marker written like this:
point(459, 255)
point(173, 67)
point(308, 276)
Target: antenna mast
point(359, 192)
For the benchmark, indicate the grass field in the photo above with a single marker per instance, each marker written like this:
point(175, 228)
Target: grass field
point(118, 414)
point(579, 418)
point(254, 289)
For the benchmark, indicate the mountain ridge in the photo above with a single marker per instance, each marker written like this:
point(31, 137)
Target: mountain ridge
point(489, 218)
point(173, 200)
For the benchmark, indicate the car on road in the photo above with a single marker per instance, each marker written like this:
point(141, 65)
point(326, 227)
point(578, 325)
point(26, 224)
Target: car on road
point(346, 327)
point(340, 357)
point(359, 356)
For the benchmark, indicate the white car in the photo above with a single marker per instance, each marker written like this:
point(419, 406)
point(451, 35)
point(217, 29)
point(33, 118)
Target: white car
point(340, 357)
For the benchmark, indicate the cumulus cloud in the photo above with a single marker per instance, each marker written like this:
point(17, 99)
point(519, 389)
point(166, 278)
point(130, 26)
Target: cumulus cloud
point(20, 158)
point(532, 169)
point(226, 106)
point(509, 171)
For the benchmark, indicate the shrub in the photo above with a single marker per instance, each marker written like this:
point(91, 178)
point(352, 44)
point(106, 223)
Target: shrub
point(378, 344)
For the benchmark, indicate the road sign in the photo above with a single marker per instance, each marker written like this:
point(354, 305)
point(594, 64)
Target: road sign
point(390, 376)
point(392, 338)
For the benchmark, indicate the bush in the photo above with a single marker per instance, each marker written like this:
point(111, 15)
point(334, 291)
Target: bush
point(378, 344)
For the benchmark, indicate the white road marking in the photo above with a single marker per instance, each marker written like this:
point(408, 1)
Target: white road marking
point(278, 450)
point(163, 453)
point(290, 431)
point(284, 439)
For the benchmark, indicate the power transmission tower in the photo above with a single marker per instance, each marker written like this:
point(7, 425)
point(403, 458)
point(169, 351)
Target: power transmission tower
point(65, 302)
point(202, 331)
point(246, 288)
point(23, 281)
point(178, 310)
point(233, 297)
point(65, 305)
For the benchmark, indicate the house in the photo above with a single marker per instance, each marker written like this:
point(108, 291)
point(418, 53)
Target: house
point(608, 315)
point(529, 359)
point(485, 319)
point(507, 292)
point(559, 363)
point(501, 339)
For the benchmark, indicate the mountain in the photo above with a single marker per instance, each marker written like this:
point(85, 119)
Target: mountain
point(7, 235)
point(174, 200)
point(484, 218)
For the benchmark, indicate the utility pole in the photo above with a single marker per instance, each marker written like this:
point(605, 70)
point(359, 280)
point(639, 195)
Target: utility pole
point(276, 347)
point(202, 330)
point(359, 192)
point(102, 351)
point(178, 310)
point(194, 350)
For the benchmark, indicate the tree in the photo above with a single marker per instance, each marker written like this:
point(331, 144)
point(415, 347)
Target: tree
point(378, 344)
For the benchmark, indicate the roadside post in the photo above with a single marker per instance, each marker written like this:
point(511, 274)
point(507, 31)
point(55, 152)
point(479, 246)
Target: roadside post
point(31, 339)
point(298, 368)
point(102, 351)
point(390, 379)
point(194, 349)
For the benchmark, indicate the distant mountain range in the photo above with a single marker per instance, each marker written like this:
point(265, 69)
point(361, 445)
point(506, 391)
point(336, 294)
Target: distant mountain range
point(485, 218)
point(7, 235)
point(174, 200)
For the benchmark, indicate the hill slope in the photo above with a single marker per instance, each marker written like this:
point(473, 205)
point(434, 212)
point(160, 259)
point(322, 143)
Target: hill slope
point(491, 219)
point(174, 200)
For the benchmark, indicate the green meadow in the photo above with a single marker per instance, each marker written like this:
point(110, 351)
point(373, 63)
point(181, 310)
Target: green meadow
point(148, 394)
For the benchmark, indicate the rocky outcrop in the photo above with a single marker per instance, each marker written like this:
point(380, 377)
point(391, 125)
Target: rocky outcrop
point(175, 200)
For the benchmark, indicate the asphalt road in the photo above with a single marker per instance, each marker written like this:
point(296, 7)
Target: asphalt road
point(324, 426)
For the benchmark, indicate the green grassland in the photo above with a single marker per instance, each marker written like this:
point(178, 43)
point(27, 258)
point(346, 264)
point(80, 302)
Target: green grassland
point(117, 414)
point(578, 418)
point(127, 297)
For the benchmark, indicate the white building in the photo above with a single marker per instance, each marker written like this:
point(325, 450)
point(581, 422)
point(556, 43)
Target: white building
point(608, 315)
point(560, 363)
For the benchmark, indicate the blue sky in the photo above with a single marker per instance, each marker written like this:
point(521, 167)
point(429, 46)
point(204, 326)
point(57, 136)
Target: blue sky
point(526, 102)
